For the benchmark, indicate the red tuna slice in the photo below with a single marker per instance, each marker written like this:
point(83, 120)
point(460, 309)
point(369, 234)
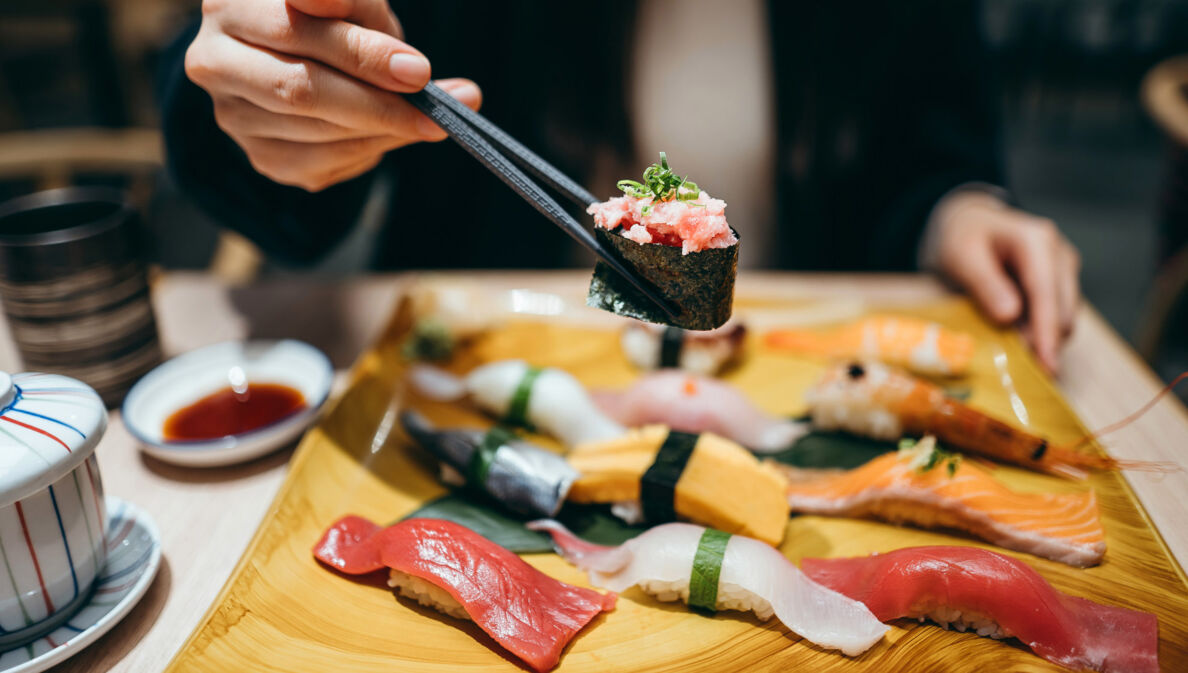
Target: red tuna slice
point(531, 614)
point(1066, 630)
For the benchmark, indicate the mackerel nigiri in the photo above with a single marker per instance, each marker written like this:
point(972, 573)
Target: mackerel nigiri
point(548, 398)
point(928, 487)
point(463, 574)
point(716, 571)
point(996, 596)
point(692, 403)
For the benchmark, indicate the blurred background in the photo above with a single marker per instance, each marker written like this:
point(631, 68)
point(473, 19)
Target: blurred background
point(1084, 145)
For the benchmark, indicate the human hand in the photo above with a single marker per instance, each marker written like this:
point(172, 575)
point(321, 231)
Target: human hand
point(309, 88)
point(1017, 266)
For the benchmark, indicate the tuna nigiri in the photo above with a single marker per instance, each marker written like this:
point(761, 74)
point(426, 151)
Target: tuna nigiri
point(716, 571)
point(922, 486)
point(457, 571)
point(921, 346)
point(692, 403)
point(996, 596)
point(707, 353)
point(547, 399)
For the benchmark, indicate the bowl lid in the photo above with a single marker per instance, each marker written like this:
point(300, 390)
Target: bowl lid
point(49, 424)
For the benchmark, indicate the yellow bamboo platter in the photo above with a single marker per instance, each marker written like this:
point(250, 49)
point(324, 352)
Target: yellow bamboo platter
point(282, 611)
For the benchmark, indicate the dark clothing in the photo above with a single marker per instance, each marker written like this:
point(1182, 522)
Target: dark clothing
point(881, 108)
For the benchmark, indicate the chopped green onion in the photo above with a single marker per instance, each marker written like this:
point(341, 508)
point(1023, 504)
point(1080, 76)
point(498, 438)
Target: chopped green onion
point(660, 183)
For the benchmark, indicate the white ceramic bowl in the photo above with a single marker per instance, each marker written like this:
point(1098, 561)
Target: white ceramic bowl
point(52, 518)
point(189, 377)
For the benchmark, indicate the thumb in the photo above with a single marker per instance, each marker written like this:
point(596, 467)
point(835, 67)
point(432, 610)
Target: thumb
point(981, 273)
point(373, 14)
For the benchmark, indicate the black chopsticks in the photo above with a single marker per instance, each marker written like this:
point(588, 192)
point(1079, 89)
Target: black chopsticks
point(483, 140)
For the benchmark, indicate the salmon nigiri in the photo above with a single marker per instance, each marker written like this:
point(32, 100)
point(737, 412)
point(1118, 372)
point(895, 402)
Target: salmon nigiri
point(925, 486)
point(463, 574)
point(996, 596)
point(921, 346)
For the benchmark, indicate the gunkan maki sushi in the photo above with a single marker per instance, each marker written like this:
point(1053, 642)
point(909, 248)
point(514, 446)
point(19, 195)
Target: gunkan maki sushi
point(674, 235)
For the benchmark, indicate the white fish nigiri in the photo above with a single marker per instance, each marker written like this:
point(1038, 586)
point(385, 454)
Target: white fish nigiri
point(691, 403)
point(752, 576)
point(555, 402)
point(655, 347)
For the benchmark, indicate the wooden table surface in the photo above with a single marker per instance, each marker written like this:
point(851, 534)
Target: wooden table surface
point(207, 516)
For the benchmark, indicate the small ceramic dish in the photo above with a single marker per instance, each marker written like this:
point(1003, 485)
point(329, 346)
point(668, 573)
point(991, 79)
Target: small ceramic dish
point(190, 377)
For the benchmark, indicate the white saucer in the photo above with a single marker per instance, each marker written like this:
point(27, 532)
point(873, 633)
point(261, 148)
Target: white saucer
point(133, 556)
point(191, 376)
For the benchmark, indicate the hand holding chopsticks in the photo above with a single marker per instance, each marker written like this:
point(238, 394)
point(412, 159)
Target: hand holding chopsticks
point(483, 140)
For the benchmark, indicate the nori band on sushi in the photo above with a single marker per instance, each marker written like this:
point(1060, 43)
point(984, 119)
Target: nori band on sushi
point(707, 567)
point(700, 284)
point(480, 462)
point(517, 410)
point(657, 487)
point(671, 343)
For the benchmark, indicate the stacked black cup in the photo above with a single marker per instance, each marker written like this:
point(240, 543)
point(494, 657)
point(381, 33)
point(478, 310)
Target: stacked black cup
point(74, 287)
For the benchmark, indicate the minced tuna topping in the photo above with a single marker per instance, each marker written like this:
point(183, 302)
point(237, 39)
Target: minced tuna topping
point(667, 210)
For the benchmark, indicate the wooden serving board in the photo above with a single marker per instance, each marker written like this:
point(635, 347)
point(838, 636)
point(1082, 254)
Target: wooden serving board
point(282, 611)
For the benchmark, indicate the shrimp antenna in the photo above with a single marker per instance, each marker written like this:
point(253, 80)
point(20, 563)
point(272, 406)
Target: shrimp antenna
point(1132, 417)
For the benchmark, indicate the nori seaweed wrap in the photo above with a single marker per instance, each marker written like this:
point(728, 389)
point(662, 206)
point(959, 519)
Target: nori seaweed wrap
point(700, 284)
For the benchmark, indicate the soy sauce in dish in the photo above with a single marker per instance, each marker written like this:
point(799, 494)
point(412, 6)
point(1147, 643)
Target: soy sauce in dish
point(228, 412)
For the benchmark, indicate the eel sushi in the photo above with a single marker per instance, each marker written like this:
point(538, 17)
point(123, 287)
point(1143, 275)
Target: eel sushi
point(692, 403)
point(547, 399)
point(451, 568)
point(675, 236)
point(520, 476)
point(656, 475)
point(918, 345)
point(712, 570)
point(925, 486)
point(873, 400)
point(997, 596)
point(707, 353)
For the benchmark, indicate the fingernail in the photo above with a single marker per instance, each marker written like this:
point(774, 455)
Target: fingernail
point(410, 69)
point(464, 91)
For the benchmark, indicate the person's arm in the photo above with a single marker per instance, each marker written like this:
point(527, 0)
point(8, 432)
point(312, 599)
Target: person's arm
point(295, 103)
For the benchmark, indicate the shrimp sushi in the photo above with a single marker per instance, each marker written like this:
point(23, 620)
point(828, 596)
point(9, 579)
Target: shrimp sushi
point(873, 400)
point(692, 403)
point(923, 347)
point(706, 353)
point(657, 475)
point(925, 486)
point(675, 236)
point(456, 571)
point(521, 476)
point(712, 570)
point(542, 398)
point(996, 596)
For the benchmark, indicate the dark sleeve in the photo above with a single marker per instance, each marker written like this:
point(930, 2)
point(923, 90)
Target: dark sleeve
point(289, 224)
point(948, 131)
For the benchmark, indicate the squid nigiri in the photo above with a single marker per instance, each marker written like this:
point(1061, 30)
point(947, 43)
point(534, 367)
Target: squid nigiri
point(925, 486)
point(451, 568)
point(921, 346)
point(692, 403)
point(713, 570)
point(996, 596)
point(877, 401)
point(706, 353)
point(548, 399)
point(523, 477)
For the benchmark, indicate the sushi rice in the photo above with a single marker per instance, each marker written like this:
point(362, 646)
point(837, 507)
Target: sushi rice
point(730, 596)
point(426, 593)
point(952, 618)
